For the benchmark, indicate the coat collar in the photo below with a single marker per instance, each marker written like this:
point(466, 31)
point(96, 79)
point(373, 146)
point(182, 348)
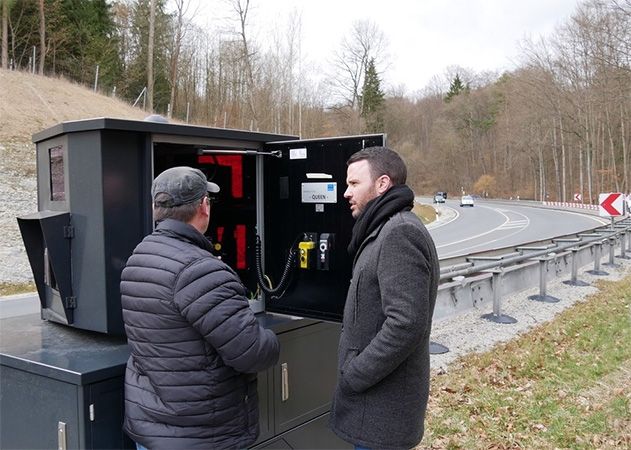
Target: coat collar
point(183, 232)
point(371, 237)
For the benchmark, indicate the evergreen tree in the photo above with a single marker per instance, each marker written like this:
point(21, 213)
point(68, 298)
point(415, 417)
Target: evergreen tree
point(372, 100)
point(456, 87)
point(80, 34)
point(93, 42)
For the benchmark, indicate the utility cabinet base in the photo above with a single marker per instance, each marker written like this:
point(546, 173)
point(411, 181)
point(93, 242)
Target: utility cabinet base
point(62, 388)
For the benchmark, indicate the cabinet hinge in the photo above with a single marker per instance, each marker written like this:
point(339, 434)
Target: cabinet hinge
point(71, 302)
point(68, 231)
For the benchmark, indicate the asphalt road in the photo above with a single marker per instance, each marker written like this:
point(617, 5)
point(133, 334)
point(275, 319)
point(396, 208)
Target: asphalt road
point(18, 305)
point(489, 225)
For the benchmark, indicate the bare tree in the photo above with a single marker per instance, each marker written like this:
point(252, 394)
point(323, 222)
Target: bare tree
point(181, 28)
point(242, 8)
point(42, 38)
point(5, 34)
point(364, 42)
point(152, 26)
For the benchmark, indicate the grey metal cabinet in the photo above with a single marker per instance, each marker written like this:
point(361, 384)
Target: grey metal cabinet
point(305, 376)
point(63, 388)
point(302, 388)
point(60, 388)
point(39, 412)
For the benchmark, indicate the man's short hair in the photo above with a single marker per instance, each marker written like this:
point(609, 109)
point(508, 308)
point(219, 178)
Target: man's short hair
point(183, 213)
point(382, 161)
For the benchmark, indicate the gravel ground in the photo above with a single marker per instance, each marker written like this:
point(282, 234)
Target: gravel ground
point(468, 332)
point(18, 191)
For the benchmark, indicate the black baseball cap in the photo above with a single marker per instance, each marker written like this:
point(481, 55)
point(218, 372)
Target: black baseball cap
point(182, 185)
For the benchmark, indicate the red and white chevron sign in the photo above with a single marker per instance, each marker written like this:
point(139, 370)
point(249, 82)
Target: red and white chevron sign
point(611, 204)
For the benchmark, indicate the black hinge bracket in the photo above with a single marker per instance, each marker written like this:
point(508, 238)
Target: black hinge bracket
point(71, 302)
point(68, 231)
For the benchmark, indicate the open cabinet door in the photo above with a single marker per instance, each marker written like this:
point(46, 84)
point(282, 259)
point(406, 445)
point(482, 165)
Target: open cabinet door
point(305, 209)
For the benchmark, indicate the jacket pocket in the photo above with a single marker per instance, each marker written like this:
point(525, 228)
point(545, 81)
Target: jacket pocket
point(356, 298)
point(351, 354)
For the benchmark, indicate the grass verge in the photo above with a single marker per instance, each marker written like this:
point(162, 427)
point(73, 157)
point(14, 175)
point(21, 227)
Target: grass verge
point(565, 384)
point(16, 288)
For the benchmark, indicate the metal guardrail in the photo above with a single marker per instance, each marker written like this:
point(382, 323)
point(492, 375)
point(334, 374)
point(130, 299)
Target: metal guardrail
point(482, 278)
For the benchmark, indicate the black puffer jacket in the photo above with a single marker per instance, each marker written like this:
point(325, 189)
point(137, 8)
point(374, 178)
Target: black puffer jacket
point(195, 346)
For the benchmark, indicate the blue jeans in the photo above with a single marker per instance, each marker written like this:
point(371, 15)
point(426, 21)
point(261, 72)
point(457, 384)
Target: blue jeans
point(140, 447)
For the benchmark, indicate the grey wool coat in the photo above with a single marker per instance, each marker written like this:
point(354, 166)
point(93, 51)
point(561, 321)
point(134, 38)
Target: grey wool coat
point(383, 380)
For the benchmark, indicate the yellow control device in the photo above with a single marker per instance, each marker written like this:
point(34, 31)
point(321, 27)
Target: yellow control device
point(305, 248)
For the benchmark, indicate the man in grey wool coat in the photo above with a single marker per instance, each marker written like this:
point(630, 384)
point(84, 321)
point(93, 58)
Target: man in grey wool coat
point(383, 379)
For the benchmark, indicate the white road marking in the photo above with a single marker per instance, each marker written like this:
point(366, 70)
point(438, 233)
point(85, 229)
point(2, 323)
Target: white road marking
point(505, 223)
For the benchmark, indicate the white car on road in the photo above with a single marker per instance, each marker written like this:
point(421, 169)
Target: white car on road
point(466, 200)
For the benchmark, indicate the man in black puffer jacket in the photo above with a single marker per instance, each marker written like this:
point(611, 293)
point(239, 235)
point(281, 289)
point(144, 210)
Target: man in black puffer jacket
point(195, 344)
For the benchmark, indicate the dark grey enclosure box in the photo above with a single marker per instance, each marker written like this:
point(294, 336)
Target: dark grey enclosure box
point(94, 207)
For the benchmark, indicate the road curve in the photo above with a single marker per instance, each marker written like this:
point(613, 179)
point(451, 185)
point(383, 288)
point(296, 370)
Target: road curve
point(491, 225)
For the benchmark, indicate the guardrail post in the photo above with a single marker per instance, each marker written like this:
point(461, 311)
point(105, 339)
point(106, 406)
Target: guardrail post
point(574, 281)
point(437, 349)
point(497, 316)
point(543, 279)
point(612, 246)
point(624, 237)
point(597, 256)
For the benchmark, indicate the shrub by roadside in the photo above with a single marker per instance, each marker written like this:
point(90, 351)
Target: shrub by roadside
point(426, 213)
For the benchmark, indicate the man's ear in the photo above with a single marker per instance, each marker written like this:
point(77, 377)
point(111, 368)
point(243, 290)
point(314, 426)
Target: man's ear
point(383, 183)
point(205, 207)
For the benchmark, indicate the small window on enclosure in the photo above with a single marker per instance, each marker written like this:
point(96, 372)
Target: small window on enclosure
point(57, 185)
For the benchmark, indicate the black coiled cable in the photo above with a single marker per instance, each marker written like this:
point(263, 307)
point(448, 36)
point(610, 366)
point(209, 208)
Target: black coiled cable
point(279, 290)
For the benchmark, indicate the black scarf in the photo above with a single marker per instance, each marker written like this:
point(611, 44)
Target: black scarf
point(378, 211)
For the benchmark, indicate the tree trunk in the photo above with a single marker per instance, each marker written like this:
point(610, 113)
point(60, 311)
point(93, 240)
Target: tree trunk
point(625, 164)
point(563, 168)
point(152, 25)
point(599, 141)
point(588, 160)
point(247, 61)
point(612, 150)
point(535, 179)
point(555, 158)
point(580, 173)
point(177, 44)
point(5, 34)
point(542, 176)
point(42, 38)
